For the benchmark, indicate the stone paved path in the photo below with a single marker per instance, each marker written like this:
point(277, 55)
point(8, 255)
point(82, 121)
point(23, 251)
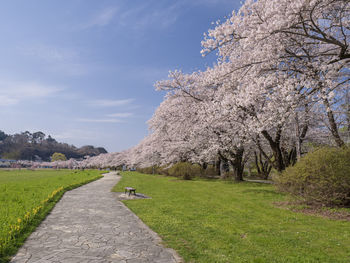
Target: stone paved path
point(89, 225)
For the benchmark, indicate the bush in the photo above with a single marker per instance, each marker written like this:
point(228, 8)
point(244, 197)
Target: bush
point(185, 170)
point(152, 169)
point(145, 170)
point(209, 172)
point(322, 177)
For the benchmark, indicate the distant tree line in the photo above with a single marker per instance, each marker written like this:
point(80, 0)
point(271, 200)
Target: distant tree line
point(37, 146)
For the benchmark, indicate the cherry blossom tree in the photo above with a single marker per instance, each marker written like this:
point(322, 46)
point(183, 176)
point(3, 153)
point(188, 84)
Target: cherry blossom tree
point(281, 79)
point(291, 55)
point(305, 39)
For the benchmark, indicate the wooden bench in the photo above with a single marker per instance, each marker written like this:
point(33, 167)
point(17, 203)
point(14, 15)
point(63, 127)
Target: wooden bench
point(130, 190)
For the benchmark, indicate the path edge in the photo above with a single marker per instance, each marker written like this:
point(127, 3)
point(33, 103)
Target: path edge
point(156, 237)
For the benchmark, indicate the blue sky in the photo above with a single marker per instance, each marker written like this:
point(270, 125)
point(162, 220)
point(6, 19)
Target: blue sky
point(83, 70)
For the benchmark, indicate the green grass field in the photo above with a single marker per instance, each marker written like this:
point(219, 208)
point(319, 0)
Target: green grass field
point(215, 221)
point(27, 196)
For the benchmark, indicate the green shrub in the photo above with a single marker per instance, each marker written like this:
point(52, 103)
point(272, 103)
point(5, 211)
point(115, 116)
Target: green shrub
point(210, 171)
point(152, 170)
point(163, 170)
point(185, 170)
point(322, 177)
point(145, 170)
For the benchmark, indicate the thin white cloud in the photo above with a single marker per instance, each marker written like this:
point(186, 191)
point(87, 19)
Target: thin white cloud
point(57, 59)
point(7, 101)
point(14, 92)
point(99, 120)
point(111, 103)
point(103, 18)
point(148, 15)
point(72, 69)
point(49, 53)
point(135, 17)
point(74, 134)
point(120, 115)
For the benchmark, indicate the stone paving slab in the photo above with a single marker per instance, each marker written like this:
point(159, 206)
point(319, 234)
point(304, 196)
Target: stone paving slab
point(90, 225)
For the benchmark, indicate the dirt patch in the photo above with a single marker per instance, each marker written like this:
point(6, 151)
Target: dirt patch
point(326, 212)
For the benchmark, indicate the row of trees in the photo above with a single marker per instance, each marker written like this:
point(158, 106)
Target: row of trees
point(280, 84)
point(38, 146)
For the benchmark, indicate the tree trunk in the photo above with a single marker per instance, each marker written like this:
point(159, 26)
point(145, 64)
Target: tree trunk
point(217, 166)
point(257, 163)
point(223, 168)
point(297, 133)
point(332, 124)
point(238, 164)
point(277, 153)
point(348, 117)
point(347, 112)
point(263, 167)
point(278, 163)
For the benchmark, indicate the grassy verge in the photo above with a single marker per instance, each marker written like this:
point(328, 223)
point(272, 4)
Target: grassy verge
point(26, 197)
point(214, 221)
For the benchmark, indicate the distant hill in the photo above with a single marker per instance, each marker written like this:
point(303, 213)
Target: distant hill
point(38, 146)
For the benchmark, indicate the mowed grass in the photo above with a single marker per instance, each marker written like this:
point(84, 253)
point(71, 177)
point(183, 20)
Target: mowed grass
point(27, 196)
point(215, 221)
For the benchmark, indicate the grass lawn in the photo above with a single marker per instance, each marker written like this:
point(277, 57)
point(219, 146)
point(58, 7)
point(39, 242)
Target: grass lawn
point(215, 221)
point(27, 196)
